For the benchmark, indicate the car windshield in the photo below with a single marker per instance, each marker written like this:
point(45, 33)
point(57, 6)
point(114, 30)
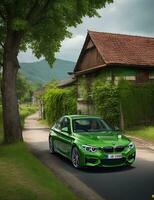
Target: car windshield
point(90, 125)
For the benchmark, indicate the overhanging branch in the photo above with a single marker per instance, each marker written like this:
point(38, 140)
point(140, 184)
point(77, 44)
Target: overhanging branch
point(2, 16)
point(1, 65)
point(2, 45)
point(41, 13)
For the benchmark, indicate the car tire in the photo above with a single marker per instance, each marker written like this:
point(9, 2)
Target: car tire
point(75, 157)
point(51, 145)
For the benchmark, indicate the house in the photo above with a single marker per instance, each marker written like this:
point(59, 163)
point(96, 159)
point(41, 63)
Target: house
point(70, 81)
point(114, 57)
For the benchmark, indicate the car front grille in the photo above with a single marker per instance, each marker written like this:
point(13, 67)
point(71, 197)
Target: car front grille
point(119, 148)
point(111, 162)
point(110, 149)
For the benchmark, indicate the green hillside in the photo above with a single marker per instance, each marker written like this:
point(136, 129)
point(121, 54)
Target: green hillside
point(40, 72)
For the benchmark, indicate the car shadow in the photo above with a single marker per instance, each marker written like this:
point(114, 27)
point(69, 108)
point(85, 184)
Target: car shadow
point(93, 169)
point(107, 169)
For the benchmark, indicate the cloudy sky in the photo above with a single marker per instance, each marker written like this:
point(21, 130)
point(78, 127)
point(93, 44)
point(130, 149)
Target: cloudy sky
point(135, 17)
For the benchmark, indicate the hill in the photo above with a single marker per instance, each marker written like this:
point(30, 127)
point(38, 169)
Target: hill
point(40, 72)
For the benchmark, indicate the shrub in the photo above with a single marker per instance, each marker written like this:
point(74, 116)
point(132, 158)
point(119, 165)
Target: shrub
point(137, 103)
point(105, 97)
point(59, 102)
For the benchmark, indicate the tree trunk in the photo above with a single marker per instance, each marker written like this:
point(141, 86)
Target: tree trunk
point(11, 120)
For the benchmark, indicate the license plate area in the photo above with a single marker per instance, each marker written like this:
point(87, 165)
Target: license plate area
point(114, 156)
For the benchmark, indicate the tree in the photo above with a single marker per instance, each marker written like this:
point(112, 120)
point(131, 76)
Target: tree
point(24, 89)
point(40, 25)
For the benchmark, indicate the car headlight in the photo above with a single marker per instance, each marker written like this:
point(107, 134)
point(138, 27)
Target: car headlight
point(131, 145)
point(89, 148)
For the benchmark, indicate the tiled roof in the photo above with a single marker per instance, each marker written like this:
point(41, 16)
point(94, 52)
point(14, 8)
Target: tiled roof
point(124, 49)
point(70, 81)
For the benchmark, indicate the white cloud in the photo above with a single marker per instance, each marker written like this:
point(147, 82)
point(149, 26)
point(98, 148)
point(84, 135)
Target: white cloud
point(27, 57)
point(70, 48)
point(122, 16)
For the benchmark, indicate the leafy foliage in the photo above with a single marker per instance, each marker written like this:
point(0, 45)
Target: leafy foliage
point(83, 88)
point(43, 24)
point(137, 103)
point(59, 102)
point(40, 25)
point(24, 89)
point(106, 100)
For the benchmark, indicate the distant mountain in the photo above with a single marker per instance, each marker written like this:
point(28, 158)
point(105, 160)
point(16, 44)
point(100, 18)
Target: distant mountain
point(40, 72)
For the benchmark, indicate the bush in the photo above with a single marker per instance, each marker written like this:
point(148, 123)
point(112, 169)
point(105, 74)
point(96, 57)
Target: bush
point(105, 97)
point(59, 102)
point(137, 103)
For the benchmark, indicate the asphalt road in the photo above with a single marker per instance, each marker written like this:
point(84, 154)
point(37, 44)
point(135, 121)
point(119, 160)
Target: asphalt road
point(133, 183)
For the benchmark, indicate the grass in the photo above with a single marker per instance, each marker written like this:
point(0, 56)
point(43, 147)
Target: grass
point(1, 127)
point(146, 133)
point(24, 177)
point(24, 109)
point(43, 122)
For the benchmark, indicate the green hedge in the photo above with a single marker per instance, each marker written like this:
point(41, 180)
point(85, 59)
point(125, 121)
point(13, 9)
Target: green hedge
point(137, 103)
point(59, 102)
point(105, 97)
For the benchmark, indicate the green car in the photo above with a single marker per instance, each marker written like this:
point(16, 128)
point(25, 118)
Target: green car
point(90, 141)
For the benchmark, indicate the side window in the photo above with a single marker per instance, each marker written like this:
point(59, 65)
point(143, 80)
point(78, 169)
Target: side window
point(65, 123)
point(58, 123)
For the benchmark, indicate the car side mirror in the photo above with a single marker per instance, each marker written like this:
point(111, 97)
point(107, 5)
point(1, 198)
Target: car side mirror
point(117, 128)
point(66, 129)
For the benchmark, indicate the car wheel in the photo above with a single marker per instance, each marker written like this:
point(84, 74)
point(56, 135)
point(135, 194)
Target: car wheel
point(75, 157)
point(51, 145)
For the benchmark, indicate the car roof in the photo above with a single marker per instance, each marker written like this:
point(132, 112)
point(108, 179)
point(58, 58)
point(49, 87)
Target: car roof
point(81, 116)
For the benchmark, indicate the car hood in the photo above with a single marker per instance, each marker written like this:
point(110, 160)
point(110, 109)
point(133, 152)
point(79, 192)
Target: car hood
point(103, 138)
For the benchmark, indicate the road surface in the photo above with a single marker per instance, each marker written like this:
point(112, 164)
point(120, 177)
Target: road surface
point(133, 183)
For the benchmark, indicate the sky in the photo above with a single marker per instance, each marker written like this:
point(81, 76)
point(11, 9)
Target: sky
point(134, 17)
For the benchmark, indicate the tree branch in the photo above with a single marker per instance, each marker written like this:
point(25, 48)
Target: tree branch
point(2, 16)
point(40, 15)
point(1, 65)
point(2, 45)
point(31, 11)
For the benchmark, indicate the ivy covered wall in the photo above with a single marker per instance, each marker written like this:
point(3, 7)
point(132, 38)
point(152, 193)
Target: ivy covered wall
point(133, 102)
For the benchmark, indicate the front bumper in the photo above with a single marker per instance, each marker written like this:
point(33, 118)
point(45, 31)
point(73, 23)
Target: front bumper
point(100, 158)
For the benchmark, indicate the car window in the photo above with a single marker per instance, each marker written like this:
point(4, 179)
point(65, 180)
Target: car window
point(65, 123)
point(58, 123)
point(89, 125)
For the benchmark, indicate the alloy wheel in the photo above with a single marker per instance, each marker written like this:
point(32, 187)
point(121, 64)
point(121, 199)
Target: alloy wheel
point(51, 146)
point(75, 158)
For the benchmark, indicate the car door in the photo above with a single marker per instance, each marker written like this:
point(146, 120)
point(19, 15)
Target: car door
point(66, 137)
point(56, 134)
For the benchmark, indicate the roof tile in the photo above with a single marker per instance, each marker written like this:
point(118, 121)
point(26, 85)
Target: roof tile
point(124, 49)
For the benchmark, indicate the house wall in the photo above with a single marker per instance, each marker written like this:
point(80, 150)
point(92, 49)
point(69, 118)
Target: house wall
point(85, 82)
point(91, 59)
point(115, 74)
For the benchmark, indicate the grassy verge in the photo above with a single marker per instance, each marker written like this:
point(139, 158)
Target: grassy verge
point(43, 122)
point(24, 110)
point(1, 127)
point(146, 133)
point(24, 177)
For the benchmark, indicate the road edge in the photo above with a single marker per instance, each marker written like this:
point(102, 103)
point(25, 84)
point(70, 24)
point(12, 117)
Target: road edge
point(79, 188)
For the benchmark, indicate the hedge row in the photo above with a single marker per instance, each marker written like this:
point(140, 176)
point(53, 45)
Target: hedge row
point(105, 98)
point(58, 102)
point(137, 102)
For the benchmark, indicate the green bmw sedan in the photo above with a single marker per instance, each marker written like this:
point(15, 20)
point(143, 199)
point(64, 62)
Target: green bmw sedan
point(90, 141)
